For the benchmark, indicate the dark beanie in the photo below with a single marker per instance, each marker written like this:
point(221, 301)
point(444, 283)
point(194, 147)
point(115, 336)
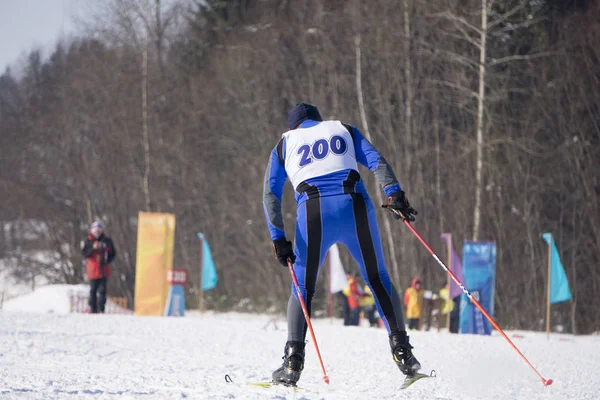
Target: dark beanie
point(300, 113)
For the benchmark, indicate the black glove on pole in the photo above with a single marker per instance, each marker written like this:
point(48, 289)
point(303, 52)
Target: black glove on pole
point(399, 202)
point(284, 251)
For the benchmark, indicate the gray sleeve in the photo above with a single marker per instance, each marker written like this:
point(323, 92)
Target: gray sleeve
point(274, 181)
point(386, 177)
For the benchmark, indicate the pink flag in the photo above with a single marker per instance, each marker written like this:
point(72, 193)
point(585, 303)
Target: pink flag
point(455, 266)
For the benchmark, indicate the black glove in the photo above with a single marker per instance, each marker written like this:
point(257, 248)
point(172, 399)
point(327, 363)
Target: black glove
point(284, 251)
point(399, 202)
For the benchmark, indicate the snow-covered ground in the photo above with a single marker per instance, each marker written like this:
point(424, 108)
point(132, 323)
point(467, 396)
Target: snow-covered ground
point(79, 356)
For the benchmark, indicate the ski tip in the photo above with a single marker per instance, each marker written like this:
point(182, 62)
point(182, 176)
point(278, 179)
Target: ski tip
point(409, 380)
point(326, 379)
point(547, 382)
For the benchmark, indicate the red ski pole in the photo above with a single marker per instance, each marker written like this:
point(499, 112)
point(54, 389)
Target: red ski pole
point(546, 382)
point(310, 328)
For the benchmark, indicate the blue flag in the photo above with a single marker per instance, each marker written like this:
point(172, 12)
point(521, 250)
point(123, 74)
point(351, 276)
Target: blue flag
point(209, 271)
point(559, 285)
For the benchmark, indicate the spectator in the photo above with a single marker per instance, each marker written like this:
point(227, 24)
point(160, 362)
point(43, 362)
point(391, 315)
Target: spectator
point(99, 252)
point(367, 305)
point(447, 303)
point(353, 293)
point(413, 300)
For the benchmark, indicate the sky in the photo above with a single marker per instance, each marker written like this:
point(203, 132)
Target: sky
point(29, 24)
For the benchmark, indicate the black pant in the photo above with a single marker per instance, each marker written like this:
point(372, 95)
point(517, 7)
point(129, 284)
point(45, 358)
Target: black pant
point(97, 304)
point(371, 315)
point(413, 323)
point(455, 316)
point(345, 307)
point(354, 316)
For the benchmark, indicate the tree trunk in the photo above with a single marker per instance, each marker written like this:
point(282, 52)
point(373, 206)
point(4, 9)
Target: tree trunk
point(159, 40)
point(146, 184)
point(408, 75)
point(480, 105)
point(378, 198)
point(438, 170)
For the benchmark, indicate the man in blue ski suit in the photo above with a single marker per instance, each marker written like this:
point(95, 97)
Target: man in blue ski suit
point(320, 158)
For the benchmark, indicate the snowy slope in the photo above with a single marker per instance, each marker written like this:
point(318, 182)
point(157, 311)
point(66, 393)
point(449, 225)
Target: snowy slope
point(11, 286)
point(52, 299)
point(82, 356)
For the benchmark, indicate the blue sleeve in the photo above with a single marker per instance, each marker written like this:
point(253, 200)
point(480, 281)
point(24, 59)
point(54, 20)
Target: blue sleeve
point(369, 157)
point(275, 177)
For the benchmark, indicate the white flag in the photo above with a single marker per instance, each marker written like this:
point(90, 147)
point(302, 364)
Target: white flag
point(336, 271)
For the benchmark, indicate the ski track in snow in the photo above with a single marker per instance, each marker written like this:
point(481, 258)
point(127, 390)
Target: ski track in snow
point(78, 356)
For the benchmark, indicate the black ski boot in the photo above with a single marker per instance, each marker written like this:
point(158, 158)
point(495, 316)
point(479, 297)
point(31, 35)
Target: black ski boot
point(293, 364)
point(403, 356)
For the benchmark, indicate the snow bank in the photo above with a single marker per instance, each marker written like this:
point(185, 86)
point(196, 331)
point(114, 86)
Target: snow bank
point(12, 286)
point(50, 299)
point(18, 278)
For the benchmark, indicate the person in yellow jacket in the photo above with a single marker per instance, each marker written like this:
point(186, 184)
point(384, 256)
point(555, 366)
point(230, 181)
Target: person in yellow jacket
point(413, 300)
point(367, 305)
point(448, 304)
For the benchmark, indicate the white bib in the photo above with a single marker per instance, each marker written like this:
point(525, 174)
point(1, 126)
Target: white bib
point(319, 150)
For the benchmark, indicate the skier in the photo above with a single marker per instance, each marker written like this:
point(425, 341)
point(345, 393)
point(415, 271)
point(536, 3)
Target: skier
point(321, 160)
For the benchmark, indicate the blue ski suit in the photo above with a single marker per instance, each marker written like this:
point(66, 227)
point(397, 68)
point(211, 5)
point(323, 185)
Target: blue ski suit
point(320, 158)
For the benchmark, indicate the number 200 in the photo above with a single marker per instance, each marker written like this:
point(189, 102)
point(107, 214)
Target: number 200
point(321, 148)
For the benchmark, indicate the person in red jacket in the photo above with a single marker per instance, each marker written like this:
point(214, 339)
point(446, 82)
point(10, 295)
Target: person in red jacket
point(99, 252)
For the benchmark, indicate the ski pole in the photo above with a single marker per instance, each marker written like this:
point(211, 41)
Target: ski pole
point(307, 318)
point(546, 382)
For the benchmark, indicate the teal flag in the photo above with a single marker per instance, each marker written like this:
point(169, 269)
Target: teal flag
point(209, 271)
point(559, 285)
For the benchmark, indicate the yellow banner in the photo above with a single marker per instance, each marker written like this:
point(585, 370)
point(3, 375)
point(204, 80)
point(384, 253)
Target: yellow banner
point(155, 243)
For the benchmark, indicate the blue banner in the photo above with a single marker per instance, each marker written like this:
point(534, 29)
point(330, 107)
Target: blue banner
point(479, 270)
point(209, 271)
point(175, 306)
point(559, 285)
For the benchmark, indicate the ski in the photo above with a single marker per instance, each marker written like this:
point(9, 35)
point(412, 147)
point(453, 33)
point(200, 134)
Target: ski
point(273, 384)
point(412, 379)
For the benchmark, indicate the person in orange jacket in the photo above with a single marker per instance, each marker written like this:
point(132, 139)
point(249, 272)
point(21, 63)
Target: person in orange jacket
point(353, 293)
point(99, 251)
point(413, 300)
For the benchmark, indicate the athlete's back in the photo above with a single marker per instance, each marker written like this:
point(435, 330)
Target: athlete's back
point(321, 159)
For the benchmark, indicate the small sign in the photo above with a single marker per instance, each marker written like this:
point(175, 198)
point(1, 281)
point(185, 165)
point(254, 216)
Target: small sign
point(177, 276)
